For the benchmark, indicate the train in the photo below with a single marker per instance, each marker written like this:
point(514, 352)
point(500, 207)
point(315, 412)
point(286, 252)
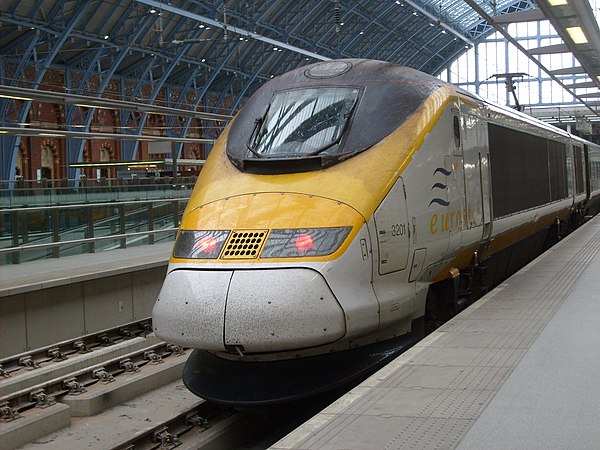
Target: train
point(348, 202)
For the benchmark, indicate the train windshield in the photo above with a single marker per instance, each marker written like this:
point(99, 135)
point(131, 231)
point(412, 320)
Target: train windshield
point(303, 122)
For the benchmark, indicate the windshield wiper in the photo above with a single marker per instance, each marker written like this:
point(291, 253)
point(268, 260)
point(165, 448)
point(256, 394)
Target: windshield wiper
point(257, 125)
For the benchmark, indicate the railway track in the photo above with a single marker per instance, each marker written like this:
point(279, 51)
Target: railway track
point(108, 390)
point(122, 390)
point(35, 359)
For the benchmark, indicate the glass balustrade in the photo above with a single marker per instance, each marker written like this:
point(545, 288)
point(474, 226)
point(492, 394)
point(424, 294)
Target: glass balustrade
point(26, 193)
point(28, 234)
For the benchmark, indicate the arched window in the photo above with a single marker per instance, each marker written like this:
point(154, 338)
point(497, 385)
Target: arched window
point(105, 155)
point(47, 163)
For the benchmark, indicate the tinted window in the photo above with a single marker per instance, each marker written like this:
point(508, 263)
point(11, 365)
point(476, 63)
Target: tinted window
point(303, 122)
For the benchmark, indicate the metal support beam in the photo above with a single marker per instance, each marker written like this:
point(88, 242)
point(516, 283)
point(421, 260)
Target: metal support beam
point(438, 21)
point(230, 28)
point(15, 92)
point(523, 50)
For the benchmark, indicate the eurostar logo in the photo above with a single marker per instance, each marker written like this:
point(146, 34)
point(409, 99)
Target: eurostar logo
point(437, 185)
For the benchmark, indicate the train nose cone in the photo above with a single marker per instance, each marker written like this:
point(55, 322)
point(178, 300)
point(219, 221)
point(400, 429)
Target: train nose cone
point(275, 310)
point(259, 310)
point(190, 308)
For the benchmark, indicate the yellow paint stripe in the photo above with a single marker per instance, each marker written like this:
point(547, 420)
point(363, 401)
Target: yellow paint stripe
point(360, 182)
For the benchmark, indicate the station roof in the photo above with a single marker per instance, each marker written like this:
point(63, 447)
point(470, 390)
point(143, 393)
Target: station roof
point(225, 47)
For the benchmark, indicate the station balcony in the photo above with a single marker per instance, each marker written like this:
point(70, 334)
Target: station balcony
point(54, 218)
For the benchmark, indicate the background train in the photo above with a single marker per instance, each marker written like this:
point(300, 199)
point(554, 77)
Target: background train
point(346, 201)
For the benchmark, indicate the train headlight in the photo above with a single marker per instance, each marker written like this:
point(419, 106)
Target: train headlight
point(200, 244)
point(304, 242)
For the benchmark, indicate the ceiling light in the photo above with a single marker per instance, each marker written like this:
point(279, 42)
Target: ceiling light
point(203, 59)
point(557, 2)
point(83, 105)
point(27, 99)
point(152, 11)
point(200, 26)
point(577, 35)
point(275, 49)
point(105, 37)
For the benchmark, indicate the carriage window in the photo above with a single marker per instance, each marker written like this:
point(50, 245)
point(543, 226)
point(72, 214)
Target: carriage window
point(456, 124)
point(303, 122)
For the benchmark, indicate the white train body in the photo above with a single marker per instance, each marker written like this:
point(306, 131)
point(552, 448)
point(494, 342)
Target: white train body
point(418, 217)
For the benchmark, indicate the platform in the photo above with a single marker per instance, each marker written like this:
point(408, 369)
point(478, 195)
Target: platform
point(35, 275)
point(51, 300)
point(519, 369)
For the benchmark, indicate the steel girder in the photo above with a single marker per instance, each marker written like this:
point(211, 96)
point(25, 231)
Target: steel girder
point(95, 42)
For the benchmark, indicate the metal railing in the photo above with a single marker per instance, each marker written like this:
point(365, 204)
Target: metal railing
point(45, 192)
point(28, 234)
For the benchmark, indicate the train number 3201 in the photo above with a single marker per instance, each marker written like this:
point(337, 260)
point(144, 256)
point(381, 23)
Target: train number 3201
point(398, 229)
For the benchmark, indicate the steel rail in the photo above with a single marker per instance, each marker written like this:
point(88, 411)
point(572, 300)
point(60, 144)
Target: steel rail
point(34, 359)
point(45, 394)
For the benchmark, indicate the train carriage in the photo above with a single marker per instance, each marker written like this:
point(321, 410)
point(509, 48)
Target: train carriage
point(347, 201)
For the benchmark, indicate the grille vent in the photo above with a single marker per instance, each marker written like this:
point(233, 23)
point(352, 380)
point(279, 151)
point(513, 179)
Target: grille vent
point(244, 244)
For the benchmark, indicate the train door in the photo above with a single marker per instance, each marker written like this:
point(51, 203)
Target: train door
point(395, 297)
point(477, 211)
point(391, 223)
point(586, 162)
point(485, 174)
point(456, 187)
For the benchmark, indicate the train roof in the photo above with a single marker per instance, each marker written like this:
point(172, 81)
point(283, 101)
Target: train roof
point(389, 95)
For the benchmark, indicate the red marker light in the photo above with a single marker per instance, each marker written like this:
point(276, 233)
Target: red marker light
point(304, 242)
point(207, 244)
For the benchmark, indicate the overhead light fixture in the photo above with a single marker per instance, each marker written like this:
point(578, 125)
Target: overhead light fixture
point(558, 2)
point(577, 35)
point(51, 135)
point(83, 105)
point(152, 11)
point(14, 97)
